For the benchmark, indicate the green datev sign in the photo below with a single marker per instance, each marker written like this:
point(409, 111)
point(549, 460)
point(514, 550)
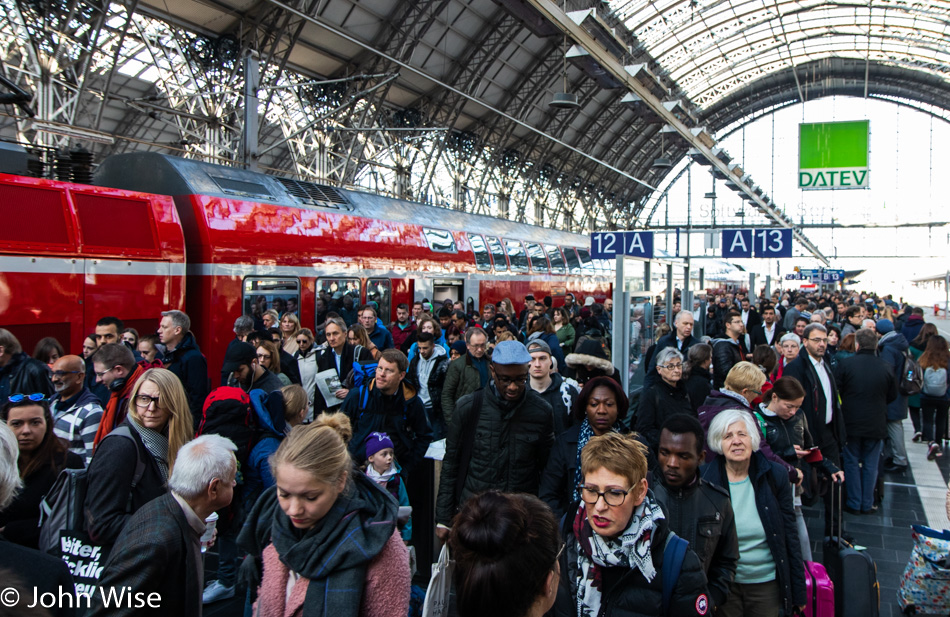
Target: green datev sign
point(833, 155)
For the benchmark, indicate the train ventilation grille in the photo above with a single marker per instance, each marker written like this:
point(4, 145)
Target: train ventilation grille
point(314, 194)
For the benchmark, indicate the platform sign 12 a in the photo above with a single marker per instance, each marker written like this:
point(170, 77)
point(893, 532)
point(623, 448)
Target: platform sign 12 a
point(609, 244)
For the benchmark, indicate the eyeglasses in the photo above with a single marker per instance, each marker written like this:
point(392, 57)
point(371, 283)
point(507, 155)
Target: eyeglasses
point(672, 367)
point(612, 497)
point(143, 401)
point(36, 397)
point(61, 374)
point(100, 374)
point(504, 382)
point(817, 340)
point(263, 356)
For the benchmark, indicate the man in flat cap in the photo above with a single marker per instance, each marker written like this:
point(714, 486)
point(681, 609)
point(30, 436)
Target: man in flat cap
point(499, 437)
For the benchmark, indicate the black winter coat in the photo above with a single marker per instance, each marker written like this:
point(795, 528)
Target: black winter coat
point(110, 482)
point(891, 347)
point(20, 519)
point(561, 395)
point(726, 354)
point(828, 438)
point(435, 382)
point(783, 435)
point(24, 375)
point(701, 513)
point(773, 500)
point(626, 592)
point(191, 368)
point(657, 403)
point(668, 340)
point(512, 443)
point(698, 386)
point(866, 385)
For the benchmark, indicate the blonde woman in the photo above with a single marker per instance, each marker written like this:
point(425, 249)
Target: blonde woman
point(158, 424)
point(325, 526)
point(289, 327)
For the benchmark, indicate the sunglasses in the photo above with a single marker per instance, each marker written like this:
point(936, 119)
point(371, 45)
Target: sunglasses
point(36, 397)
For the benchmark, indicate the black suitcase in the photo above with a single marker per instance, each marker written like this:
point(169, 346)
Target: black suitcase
point(857, 592)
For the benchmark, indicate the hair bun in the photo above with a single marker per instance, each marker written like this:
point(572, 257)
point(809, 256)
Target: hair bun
point(339, 422)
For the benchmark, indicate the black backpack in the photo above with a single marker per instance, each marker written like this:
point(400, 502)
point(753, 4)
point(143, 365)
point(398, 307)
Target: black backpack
point(911, 376)
point(227, 412)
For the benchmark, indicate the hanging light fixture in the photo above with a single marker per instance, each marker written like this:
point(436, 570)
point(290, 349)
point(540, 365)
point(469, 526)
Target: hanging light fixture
point(564, 99)
point(662, 162)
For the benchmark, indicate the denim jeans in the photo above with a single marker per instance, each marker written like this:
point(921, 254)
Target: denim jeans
point(861, 459)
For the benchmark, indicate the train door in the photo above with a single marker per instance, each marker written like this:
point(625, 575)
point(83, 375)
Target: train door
point(267, 292)
point(380, 291)
point(448, 289)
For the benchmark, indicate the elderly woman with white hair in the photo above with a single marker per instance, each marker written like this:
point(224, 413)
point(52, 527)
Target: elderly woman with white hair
point(770, 575)
point(664, 398)
point(789, 345)
point(23, 569)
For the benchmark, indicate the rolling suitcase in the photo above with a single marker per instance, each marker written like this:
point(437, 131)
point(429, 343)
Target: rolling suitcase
point(820, 591)
point(857, 592)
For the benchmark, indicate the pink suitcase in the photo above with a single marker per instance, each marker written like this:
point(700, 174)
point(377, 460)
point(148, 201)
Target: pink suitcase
point(820, 591)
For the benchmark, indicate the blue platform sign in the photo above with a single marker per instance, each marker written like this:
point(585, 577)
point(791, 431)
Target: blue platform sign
point(737, 243)
point(773, 242)
point(609, 244)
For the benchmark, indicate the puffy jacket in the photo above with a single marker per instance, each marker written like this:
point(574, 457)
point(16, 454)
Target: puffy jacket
point(560, 395)
point(191, 368)
point(24, 375)
point(773, 500)
point(867, 385)
point(719, 401)
point(512, 443)
point(702, 514)
point(726, 354)
point(657, 403)
point(891, 348)
point(626, 593)
point(433, 370)
point(783, 435)
point(461, 378)
point(401, 415)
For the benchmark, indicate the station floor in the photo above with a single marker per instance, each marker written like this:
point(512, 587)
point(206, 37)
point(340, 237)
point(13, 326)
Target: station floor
point(915, 496)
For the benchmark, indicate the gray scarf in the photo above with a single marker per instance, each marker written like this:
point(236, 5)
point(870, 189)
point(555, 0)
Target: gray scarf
point(156, 444)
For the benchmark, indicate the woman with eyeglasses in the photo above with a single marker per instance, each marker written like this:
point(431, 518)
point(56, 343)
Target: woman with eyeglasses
point(506, 549)
point(664, 398)
point(790, 344)
point(268, 355)
point(158, 424)
point(615, 542)
point(306, 357)
point(597, 410)
point(770, 574)
point(42, 456)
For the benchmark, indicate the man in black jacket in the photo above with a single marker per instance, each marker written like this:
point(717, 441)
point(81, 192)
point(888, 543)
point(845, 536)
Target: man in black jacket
point(510, 433)
point(559, 393)
point(821, 403)
point(184, 359)
point(19, 373)
point(338, 356)
point(728, 351)
point(681, 337)
point(866, 385)
point(696, 510)
point(769, 331)
point(388, 404)
point(427, 375)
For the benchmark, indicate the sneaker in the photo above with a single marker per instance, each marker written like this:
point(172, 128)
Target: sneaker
point(918, 437)
point(216, 592)
point(933, 451)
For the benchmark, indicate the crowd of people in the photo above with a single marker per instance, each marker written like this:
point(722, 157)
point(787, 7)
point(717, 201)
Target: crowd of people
point(558, 491)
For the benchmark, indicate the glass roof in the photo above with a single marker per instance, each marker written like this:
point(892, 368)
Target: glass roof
point(711, 48)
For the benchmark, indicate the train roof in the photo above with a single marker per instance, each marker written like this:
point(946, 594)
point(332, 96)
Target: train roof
point(164, 174)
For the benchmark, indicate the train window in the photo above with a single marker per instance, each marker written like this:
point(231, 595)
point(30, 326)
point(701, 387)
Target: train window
point(482, 260)
point(264, 293)
point(587, 265)
point(516, 255)
point(380, 292)
point(335, 291)
point(439, 240)
point(132, 216)
point(539, 263)
point(23, 206)
point(573, 263)
point(554, 255)
point(497, 254)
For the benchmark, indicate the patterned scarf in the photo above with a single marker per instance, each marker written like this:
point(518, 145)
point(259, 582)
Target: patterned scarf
point(630, 550)
point(586, 433)
point(155, 443)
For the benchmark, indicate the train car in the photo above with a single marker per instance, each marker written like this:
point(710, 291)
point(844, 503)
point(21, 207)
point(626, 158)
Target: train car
point(70, 254)
point(255, 241)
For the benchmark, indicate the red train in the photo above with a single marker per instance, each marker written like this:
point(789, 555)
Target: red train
point(156, 232)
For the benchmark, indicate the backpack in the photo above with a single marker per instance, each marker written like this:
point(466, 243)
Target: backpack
point(227, 412)
point(911, 377)
point(362, 373)
point(673, 555)
point(935, 382)
point(63, 506)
